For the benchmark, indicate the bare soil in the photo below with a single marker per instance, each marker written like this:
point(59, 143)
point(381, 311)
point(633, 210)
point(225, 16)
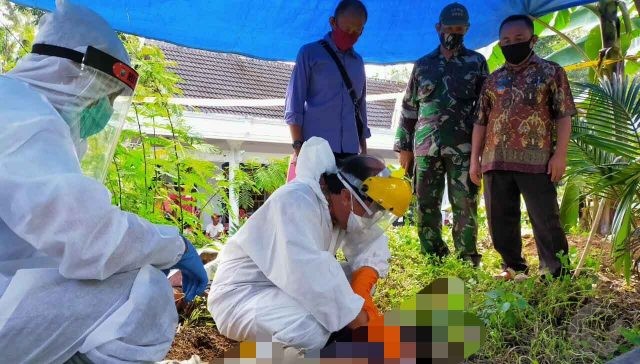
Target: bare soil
point(204, 341)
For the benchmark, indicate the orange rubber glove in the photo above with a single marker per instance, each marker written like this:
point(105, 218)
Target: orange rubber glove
point(362, 281)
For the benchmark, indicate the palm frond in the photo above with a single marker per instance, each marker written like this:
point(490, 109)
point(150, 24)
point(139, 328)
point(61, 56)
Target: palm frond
point(610, 109)
point(604, 153)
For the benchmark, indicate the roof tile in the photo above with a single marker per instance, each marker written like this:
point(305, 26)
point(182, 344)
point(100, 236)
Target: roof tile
point(228, 76)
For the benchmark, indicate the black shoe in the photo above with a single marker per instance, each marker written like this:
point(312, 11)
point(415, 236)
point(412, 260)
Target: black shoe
point(558, 274)
point(474, 259)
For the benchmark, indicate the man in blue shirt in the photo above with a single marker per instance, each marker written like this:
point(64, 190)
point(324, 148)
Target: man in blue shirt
point(317, 101)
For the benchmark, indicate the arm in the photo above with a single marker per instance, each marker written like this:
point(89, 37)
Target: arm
point(288, 254)
point(361, 320)
point(368, 256)
point(562, 108)
point(68, 216)
point(406, 128)
point(296, 96)
point(478, 137)
point(558, 162)
point(484, 73)
point(368, 248)
point(363, 146)
point(296, 134)
point(477, 144)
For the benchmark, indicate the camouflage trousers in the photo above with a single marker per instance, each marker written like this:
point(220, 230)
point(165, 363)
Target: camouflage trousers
point(429, 179)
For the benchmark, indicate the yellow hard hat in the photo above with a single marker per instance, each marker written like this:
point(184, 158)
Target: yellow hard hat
point(392, 193)
point(388, 189)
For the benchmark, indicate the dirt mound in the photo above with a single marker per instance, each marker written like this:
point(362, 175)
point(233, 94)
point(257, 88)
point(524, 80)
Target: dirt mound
point(597, 326)
point(204, 341)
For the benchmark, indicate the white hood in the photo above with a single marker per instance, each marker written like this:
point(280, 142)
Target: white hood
point(314, 159)
point(61, 81)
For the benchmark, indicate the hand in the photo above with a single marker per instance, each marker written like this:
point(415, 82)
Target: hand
point(406, 161)
point(475, 172)
point(360, 320)
point(194, 277)
point(297, 145)
point(557, 166)
point(362, 282)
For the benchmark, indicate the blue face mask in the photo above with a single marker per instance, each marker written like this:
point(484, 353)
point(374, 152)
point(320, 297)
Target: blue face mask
point(95, 117)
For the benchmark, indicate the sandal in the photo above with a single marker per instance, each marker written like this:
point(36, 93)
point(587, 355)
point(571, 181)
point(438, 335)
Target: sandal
point(511, 275)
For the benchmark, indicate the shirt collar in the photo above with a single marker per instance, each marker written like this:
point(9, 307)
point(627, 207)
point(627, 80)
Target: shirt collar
point(436, 52)
point(534, 59)
point(333, 45)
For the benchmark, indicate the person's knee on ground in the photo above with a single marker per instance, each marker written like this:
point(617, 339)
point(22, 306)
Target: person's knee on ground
point(149, 321)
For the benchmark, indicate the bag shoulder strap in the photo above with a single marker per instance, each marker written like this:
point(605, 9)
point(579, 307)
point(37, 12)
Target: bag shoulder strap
point(349, 85)
point(343, 71)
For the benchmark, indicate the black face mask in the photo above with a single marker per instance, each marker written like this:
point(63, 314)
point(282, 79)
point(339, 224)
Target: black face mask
point(451, 41)
point(518, 52)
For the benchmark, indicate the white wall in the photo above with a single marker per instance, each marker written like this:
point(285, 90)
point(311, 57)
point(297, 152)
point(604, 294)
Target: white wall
point(262, 139)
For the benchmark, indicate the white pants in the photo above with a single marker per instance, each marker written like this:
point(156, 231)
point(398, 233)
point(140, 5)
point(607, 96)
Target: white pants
point(46, 318)
point(265, 314)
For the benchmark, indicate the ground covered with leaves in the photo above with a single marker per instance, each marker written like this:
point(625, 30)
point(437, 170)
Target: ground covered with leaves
point(585, 320)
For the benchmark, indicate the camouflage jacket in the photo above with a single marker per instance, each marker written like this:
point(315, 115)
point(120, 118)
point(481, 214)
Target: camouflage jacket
point(439, 104)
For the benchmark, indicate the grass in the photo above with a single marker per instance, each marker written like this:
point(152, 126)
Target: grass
point(584, 320)
point(560, 321)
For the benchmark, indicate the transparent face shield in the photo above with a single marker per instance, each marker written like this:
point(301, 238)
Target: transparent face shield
point(99, 111)
point(375, 215)
point(100, 131)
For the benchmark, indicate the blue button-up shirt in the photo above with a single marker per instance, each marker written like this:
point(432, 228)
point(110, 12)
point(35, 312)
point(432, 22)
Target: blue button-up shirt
point(318, 100)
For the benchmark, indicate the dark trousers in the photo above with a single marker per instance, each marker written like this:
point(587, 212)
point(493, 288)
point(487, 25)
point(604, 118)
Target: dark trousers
point(502, 190)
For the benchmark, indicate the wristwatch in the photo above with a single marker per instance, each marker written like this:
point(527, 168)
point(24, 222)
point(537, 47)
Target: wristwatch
point(297, 144)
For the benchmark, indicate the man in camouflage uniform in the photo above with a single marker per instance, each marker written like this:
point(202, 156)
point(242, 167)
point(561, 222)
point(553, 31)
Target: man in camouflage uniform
point(435, 127)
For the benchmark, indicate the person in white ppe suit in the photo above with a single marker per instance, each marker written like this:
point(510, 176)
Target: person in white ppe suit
point(80, 280)
point(278, 279)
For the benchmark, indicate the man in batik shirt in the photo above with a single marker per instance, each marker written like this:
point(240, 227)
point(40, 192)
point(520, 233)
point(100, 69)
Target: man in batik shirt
point(524, 106)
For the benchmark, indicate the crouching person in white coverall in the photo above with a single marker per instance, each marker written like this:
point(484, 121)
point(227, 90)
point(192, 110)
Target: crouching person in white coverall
point(278, 279)
point(80, 280)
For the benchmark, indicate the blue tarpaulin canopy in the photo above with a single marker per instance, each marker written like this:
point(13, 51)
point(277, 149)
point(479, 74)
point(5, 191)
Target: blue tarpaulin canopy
point(397, 30)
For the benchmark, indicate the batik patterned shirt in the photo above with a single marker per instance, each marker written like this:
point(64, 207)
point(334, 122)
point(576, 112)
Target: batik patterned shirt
point(520, 107)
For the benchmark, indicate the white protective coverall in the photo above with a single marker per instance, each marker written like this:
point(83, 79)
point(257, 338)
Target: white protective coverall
point(278, 278)
point(76, 273)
